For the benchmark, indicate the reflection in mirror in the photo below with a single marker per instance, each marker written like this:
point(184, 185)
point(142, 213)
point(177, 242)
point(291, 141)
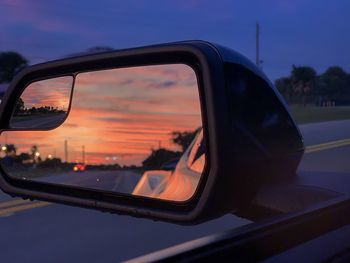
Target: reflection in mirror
point(43, 104)
point(131, 130)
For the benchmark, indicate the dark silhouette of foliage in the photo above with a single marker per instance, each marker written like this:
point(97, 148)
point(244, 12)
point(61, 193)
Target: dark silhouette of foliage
point(11, 149)
point(184, 139)
point(304, 86)
point(33, 151)
point(333, 83)
point(158, 157)
point(303, 81)
point(50, 163)
point(21, 109)
point(10, 64)
point(284, 86)
point(19, 106)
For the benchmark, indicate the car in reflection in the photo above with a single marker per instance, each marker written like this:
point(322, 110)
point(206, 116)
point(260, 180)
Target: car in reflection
point(79, 167)
point(170, 165)
point(179, 183)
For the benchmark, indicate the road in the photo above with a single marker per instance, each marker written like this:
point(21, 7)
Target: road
point(41, 232)
point(38, 121)
point(326, 164)
point(118, 181)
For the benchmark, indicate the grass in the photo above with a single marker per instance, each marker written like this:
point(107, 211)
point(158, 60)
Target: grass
point(310, 114)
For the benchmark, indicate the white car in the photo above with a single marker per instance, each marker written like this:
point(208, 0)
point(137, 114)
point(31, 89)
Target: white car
point(180, 184)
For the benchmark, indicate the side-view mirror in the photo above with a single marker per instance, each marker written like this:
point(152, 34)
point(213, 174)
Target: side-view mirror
point(43, 104)
point(181, 132)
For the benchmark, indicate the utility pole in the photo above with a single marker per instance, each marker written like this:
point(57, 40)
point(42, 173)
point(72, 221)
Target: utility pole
point(66, 151)
point(257, 44)
point(83, 153)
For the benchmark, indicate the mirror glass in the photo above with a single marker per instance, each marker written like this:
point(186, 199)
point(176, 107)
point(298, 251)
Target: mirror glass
point(129, 130)
point(43, 104)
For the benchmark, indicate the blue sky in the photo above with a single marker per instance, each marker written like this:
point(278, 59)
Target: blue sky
point(301, 32)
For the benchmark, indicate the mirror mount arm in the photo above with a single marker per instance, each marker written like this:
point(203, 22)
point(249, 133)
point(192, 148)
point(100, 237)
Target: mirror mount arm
point(284, 196)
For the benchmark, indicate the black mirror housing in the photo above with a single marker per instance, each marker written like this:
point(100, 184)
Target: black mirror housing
point(250, 136)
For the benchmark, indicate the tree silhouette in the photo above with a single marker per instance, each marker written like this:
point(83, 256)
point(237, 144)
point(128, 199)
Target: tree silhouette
point(19, 106)
point(284, 86)
point(184, 139)
point(33, 151)
point(333, 84)
point(11, 149)
point(10, 64)
point(159, 157)
point(303, 81)
point(22, 157)
point(50, 163)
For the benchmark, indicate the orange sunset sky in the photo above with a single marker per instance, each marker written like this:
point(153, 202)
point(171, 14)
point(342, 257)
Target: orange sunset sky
point(119, 112)
point(51, 92)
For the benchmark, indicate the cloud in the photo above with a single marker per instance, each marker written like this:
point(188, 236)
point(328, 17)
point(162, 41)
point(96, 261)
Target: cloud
point(127, 119)
point(162, 85)
point(114, 119)
point(43, 30)
point(54, 92)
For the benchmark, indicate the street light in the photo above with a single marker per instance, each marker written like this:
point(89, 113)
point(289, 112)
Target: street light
point(4, 148)
point(37, 154)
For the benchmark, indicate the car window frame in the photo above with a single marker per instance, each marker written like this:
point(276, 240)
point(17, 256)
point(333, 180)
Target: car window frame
point(240, 242)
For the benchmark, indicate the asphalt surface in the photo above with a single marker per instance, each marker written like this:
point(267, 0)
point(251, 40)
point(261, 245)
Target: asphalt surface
point(326, 165)
point(41, 232)
point(118, 181)
point(40, 121)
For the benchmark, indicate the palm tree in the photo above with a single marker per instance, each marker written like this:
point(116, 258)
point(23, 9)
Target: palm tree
point(33, 151)
point(303, 81)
